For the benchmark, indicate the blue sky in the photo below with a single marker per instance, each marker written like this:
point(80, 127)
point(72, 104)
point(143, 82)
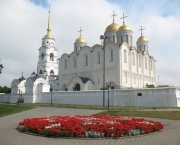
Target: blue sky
point(25, 23)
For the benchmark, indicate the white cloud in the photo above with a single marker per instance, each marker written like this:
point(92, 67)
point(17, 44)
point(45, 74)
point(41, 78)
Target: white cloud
point(23, 24)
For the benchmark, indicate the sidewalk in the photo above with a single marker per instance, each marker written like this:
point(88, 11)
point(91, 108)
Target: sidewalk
point(10, 136)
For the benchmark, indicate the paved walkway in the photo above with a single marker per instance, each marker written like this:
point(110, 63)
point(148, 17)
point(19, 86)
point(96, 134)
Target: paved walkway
point(10, 136)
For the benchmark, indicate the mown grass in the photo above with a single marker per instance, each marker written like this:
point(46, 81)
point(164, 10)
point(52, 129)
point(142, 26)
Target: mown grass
point(97, 107)
point(133, 111)
point(172, 115)
point(11, 109)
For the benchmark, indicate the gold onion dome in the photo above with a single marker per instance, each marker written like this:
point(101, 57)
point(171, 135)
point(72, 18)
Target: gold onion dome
point(124, 28)
point(142, 39)
point(80, 39)
point(112, 27)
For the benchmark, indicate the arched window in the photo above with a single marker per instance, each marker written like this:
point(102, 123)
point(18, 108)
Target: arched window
point(65, 64)
point(74, 62)
point(51, 72)
point(127, 40)
point(139, 61)
point(125, 56)
point(121, 39)
point(131, 40)
point(86, 60)
point(145, 63)
point(133, 59)
point(51, 57)
point(144, 47)
point(40, 72)
point(42, 56)
point(140, 47)
point(111, 55)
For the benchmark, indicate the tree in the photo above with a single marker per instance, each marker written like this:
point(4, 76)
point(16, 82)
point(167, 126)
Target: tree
point(1, 66)
point(5, 89)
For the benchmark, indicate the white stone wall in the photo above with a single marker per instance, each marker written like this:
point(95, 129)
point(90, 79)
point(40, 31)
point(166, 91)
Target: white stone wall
point(5, 98)
point(125, 97)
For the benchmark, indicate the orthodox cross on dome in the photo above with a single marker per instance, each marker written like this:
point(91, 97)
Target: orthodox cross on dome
point(141, 30)
point(80, 31)
point(123, 18)
point(113, 15)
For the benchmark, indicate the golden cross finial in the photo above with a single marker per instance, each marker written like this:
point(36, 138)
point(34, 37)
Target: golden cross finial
point(80, 31)
point(113, 15)
point(123, 18)
point(141, 30)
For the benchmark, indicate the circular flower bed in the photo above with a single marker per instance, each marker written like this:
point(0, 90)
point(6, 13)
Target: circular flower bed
point(88, 126)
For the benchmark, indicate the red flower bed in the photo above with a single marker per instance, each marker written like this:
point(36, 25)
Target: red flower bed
point(88, 126)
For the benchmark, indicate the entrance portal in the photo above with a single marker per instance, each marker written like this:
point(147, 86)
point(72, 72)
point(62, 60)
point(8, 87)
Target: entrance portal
point(77, 87)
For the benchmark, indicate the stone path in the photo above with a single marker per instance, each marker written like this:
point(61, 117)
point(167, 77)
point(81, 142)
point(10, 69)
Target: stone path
point(10, 136)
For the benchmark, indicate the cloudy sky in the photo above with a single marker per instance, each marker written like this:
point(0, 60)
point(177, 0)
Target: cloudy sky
point(23, 24)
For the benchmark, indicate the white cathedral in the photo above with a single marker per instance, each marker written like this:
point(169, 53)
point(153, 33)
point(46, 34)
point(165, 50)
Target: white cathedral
point(126, 66)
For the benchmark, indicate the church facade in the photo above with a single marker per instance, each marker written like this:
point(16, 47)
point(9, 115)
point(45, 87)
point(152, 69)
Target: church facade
point(126, 66)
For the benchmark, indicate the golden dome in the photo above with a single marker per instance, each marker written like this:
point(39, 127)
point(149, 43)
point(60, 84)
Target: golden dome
point(112, 27)
point(80, 39)
point(142, 39)
point(124, 27)
point(48, 35)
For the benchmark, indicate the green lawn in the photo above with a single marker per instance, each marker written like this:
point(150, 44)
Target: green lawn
point(172, 115)
point(11, 109)
point(114, 111)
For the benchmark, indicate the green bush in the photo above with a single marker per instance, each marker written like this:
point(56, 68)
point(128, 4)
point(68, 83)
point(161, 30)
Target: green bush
point(150, 86)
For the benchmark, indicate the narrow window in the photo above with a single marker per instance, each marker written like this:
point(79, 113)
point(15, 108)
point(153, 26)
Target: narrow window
point(74, 62)
point(65, 64)
point(121, 39)
point(140, 47)
point(139, 61)
point(40, 72)
point(127, 40)
point(86, 60)
point(151, 65)
point(111, 55)
point(144, 47)
point(42, 56)
point(98, 57)
point(133, 59)
point(51, 57)
point(125, 56)
point(131, 40)
point(145, 63)
point(114, 38)
point(98, 81)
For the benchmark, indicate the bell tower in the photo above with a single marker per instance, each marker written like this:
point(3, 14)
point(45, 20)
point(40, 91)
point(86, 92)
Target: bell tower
point(47, 54)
